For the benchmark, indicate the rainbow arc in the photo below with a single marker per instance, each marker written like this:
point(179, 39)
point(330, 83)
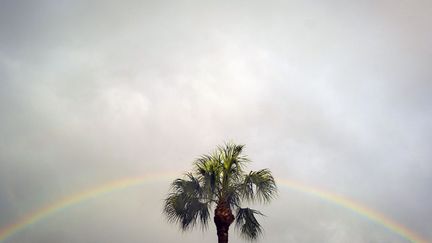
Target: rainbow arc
point(112, 186)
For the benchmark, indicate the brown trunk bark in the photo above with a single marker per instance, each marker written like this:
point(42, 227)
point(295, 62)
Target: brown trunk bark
point(223, 219)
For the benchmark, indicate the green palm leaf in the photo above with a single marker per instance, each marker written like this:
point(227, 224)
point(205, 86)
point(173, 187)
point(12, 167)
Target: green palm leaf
point(258, 186)
point(219, 179)
point(249, 226)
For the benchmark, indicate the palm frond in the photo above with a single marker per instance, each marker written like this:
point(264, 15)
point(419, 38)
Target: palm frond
point(219, 178)
point(233, 196)
point(190, 186)
point(246, 221)
point(208, 170)
point(185, 205)
point(232, 162)
point(231, 155)
point(186, 211)
point(258, 185)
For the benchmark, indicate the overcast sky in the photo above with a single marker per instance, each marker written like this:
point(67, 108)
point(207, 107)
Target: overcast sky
point(335, 94)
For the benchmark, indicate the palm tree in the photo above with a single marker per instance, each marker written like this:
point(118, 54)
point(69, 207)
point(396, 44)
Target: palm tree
point(219, 180)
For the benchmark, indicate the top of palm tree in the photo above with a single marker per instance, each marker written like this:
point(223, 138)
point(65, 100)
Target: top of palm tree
point(220, 178)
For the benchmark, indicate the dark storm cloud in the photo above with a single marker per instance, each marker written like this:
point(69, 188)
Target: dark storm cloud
point(333, 94)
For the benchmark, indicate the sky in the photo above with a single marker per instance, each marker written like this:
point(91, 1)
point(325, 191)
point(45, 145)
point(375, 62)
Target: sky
point(332, 94)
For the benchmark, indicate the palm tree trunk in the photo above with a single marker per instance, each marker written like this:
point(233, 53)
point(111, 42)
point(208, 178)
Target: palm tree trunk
point(222, 233)
point(223, 219)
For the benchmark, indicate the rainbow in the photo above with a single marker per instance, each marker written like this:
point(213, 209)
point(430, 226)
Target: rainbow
point(357, 208)
point(112, 186)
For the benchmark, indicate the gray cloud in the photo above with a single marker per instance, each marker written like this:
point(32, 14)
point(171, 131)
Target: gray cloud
point(333, 94)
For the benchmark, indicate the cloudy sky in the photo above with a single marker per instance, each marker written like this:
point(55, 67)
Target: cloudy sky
point(333, 94)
